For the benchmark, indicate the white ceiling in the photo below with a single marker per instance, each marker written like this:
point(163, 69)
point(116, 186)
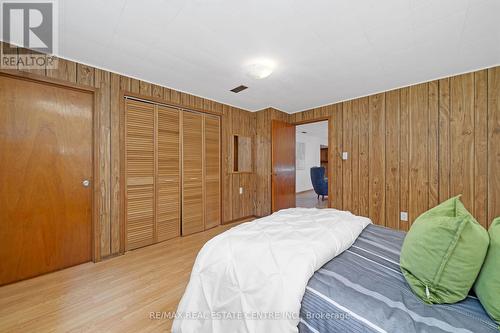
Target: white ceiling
point(318, 129)
point(326, 51)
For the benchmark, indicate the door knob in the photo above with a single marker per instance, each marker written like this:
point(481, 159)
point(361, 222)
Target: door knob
point(86, 183)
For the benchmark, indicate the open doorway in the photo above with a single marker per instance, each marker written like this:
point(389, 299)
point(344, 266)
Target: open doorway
point(311, 164)
point(286, 189)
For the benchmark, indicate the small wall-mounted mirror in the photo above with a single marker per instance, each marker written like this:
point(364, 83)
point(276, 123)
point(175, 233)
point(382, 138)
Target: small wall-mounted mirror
point(242, 154)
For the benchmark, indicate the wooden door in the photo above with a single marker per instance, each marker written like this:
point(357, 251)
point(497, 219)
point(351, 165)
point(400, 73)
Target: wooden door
point(45, 155)
point(192, 173)
point(283, 165)
point(211, 177)
point(139, 173)
point(168, 174)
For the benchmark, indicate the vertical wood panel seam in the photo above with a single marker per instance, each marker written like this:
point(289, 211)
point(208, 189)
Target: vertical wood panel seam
point(108, 87)
point(474, 143)
point(488, 184)
point(428, 143)
point(399, 160)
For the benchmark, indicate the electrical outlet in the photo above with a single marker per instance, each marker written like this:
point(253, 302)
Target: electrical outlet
point(241, 190)
point(404, 216)
point(345, 155)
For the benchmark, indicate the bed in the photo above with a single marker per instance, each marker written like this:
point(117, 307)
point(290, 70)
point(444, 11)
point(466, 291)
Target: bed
point(363, 290)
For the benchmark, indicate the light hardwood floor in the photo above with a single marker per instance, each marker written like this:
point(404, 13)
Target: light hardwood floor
point(116, 295)
point(309, 199)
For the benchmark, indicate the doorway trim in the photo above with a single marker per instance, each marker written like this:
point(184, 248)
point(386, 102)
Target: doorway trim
point(330, 151)
point(95, 177)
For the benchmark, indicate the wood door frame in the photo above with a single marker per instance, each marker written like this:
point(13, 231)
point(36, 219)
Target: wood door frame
point(95, 177)
point(330, 159)
point(122, 118)
point(160, 100)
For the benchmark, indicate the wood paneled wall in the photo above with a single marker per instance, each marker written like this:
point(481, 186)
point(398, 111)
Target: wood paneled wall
point(235, 205)
point(108, 110)
point(411, 148)
point(263, 160)
point(408, 148)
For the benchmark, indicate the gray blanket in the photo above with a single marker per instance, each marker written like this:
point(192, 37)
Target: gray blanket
point(363, 290)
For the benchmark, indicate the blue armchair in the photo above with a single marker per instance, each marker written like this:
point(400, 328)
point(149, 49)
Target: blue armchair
point(319, 182)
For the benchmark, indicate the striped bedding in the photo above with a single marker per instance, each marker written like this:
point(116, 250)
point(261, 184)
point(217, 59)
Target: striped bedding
point(363, 290)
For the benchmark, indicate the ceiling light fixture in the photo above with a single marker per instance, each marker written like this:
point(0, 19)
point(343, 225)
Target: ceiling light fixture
point(260, 68)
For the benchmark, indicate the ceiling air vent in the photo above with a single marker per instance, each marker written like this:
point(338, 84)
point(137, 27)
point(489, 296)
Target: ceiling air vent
point(239, 88)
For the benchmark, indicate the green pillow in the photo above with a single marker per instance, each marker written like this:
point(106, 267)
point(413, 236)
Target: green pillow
point(487, 286)
point(443, 253)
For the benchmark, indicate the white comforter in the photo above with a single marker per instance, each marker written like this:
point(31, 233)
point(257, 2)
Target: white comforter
point(252, 277)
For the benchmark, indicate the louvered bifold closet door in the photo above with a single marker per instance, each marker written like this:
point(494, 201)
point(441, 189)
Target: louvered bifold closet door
point(139, 169)
point(168, 174)
point(192, 173)
point(212, 171)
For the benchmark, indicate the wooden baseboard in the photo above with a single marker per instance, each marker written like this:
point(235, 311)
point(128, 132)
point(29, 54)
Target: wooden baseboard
point(242, 219)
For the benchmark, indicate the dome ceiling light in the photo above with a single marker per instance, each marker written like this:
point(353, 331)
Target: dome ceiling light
point(260, 68)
